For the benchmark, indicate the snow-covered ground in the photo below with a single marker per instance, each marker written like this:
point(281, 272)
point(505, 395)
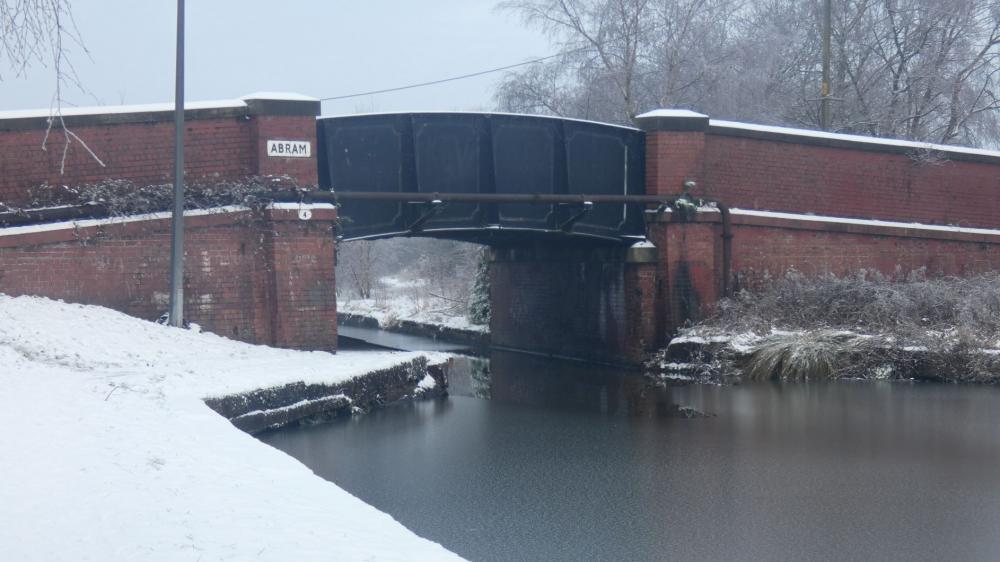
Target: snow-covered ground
point(404, 300)
point(107, 451)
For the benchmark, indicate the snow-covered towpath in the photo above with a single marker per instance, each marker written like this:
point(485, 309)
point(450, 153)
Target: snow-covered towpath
point(107, 451)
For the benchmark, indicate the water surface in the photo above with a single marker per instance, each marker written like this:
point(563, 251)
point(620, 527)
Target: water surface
point(538, 460)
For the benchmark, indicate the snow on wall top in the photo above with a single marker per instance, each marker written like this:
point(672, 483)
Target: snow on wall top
point(504, 113)
point(865, 222)
point(809, 133)
point(85, 223)
point(116, 109)
point(149, 107)
point(671, 113)
point(284, 96)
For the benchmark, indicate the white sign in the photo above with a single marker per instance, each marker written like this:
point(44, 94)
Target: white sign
point(289, 149)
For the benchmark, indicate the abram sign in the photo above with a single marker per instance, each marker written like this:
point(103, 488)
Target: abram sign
point(289, 149)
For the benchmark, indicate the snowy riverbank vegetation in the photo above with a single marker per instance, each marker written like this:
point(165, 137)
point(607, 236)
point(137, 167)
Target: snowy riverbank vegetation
point(863, 326)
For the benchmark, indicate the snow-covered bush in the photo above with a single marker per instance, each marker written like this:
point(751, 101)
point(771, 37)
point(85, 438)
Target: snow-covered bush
point(866, 301)
point(865, 325)
point(123, 197)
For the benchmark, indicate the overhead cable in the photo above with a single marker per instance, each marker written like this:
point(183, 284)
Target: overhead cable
point(453, 78)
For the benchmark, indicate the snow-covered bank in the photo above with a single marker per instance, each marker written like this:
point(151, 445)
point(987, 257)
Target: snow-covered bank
point(390, 311)
point(442, 333)
point(110, 453)
point(702, 354)
point(863, 326)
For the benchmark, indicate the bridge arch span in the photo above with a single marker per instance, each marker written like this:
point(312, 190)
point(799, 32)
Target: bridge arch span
point(486, 155)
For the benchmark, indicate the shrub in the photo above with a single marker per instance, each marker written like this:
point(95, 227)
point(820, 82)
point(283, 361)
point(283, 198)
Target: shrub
point(866, 325)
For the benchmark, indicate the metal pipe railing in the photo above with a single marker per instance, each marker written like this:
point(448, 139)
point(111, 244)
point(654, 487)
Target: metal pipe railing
point(537, 198)
point(17, 218)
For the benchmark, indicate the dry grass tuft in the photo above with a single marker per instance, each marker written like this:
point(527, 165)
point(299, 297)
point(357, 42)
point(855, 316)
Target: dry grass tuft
point(812, 355)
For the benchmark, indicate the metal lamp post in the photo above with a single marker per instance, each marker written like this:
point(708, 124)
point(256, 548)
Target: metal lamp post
point(177, 226)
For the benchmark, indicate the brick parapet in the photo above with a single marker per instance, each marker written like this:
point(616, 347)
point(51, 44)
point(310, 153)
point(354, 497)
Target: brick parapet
point(304, 171)
point(849, 182)
point(259, 277)
point(851, 142)
point(767, 247)
point(800, 171)
point(675, 148)
point(224, 141)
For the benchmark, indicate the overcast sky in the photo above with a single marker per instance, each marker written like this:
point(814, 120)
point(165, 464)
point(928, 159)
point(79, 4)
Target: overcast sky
point(321, 48)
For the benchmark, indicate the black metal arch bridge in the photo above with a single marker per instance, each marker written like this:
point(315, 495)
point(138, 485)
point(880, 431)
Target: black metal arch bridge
point(483, 177)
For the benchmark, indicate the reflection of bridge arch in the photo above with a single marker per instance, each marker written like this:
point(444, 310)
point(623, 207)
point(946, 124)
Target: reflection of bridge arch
point(422, 154)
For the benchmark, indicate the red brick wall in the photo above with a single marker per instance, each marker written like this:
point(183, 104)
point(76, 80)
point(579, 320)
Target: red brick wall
point(263, 279)
point(690, 266)
point(834, 175)
point(765, 248)
point(761, 252)
point(644, 329)
point(304, 170)
point(228, 142)
point(849, 182)
point(304, 293)
point(259, 278)
point(672, 157)
point(838, 176)
point(141, 152)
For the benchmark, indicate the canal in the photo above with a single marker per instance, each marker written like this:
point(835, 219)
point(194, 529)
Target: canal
point(535, 459)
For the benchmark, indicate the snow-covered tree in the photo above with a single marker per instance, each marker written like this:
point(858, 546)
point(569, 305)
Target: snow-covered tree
point(40, 32)
point(44, 32)
point(918, 69)
point(479, 302)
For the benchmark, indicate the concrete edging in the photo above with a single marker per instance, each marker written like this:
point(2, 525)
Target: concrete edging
point(300, 403)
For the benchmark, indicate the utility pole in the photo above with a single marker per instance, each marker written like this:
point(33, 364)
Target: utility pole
point(177, 224)
point(824, 107)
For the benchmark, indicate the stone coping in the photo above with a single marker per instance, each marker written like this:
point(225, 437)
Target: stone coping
point(157, 113)
point(76, 230)
point(793, 221)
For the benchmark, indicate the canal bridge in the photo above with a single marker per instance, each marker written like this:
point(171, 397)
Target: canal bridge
point(604, 239)
point(558, 201)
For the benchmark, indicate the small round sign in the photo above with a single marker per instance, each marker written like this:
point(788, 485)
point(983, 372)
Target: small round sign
point(305, 214)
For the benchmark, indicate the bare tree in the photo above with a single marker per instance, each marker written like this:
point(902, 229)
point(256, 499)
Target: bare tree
point(919, 69)
point(601, 42)
point(359, 259)
point(620, 56)
point(941, 59)
point(44, 32)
